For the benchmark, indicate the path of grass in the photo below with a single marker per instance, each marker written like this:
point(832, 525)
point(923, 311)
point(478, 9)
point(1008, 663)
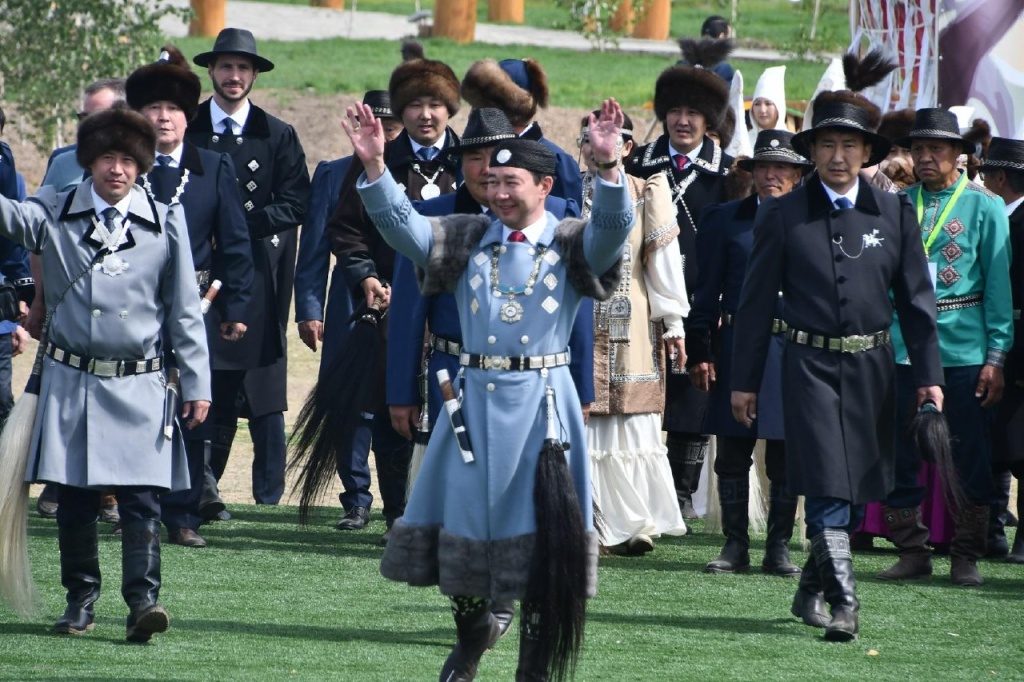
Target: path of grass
point(267, 601)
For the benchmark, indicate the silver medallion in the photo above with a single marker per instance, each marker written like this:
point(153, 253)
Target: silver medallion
point(430, 191)
point(511, 311)
point(113, 265)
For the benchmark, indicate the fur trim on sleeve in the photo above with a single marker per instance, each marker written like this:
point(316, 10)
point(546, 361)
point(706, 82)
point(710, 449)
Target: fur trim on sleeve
point(455, 237)
point(569, 235)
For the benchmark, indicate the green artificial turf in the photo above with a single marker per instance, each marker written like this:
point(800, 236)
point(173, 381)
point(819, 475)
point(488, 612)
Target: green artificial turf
point(270, 601)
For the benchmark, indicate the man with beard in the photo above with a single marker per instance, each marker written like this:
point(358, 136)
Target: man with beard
point(203, 182)
point(689, 100)
point(274, 182)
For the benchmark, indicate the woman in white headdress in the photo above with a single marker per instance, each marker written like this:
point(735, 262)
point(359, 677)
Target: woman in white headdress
point(768, 108)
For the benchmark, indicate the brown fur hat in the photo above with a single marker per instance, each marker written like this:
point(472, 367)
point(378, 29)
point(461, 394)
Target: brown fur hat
point(118, 129)
point(170, 79)
point(860, 75)
point(896, 124)
point(420, 77)
point(692, 84)
point(739, 183)
point(516, 86)
point(980, 133)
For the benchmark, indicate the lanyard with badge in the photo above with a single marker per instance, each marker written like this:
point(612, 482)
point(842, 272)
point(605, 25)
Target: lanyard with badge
point(961, 185)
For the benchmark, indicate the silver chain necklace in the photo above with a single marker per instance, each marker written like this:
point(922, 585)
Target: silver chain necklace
point(512, 310)
point(176, 199)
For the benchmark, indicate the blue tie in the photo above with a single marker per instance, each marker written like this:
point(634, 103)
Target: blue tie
point(842, 203)
point(427, 153)
point(163, 159)
point(110, 218)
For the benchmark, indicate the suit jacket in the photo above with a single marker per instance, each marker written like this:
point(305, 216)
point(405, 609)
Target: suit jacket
point(840, 411)
point(1008, 430)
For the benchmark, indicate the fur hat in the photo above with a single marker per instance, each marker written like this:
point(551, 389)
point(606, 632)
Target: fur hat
point(860, 74)
point(516, 86)
point(422, 77)
point(170, 78)
point(896, 124)
point(693, 84)
point(980, 133)
point(739, 182)
point(117, 129)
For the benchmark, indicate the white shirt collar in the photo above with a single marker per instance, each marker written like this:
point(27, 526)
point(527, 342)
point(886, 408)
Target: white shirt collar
point(532, 232)
point(238, 119)
point(100, 205)
point(851, 195)
point(438, 145)
point(175, 155)
point(1011, 207)
point(692, 155)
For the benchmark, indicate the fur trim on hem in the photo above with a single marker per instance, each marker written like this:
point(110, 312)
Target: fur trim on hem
point(569, 235)
point(455, 237)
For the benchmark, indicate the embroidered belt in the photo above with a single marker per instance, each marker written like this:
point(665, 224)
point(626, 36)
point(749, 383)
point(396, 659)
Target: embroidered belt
point(778, 326)
point(439, 343)
point(842, 344)
point(518, 363)
point(202, 279)
point(105, 368)
point(960, 302)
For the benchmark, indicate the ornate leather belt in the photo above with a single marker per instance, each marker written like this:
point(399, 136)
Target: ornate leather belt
point(840, 344)
point(105, 368)
point(778, 326)
point(439, 343)
point(518, 363)
point(959, 302)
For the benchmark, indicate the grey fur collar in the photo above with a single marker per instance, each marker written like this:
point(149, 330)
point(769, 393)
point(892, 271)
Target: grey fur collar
point(455, 237)
point(569, 235)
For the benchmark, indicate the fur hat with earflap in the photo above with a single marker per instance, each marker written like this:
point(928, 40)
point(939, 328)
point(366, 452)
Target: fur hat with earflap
point(516, 86)
point(418, 76)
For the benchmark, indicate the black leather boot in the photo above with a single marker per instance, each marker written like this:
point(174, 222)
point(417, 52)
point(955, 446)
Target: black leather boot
point(686, 455)
point(733, 494)
point(504, 612)
point(809, 602)
point(1016, 555)
point(210, 504)
point(476, 631)
point(910, 536)
point(140, 580)
point(531, 667)
point(831, 549)
point(998, 547)
point(80, 576)
point(968, 545)
point(781, 516)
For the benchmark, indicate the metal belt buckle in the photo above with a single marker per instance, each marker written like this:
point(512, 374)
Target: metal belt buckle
point(104, 368)
point(854, 344)
point(497, 362)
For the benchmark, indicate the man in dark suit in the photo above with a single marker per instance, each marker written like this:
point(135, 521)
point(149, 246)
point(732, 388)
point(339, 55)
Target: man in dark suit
point(690, 101)
point(274, 181)
point(203, 182)
point(1003, 169)
point(836, 247)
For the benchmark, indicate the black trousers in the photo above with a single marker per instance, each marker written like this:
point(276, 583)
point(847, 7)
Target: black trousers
point(80, 506)
point(735, 456)
point(180, 509)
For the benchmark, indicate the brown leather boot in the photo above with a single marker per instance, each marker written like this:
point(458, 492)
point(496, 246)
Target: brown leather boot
point(968, 545)
point(909, 535)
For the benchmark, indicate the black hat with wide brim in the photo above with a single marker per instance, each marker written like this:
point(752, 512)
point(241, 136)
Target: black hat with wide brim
point(237, 41)
point(1004, 154)
point(486, 127)
point(936, 124)
point(774, 146)
point(843, 116)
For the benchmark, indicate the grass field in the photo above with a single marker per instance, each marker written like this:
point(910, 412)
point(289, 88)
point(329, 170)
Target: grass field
point(761, 23)
point(270, 601)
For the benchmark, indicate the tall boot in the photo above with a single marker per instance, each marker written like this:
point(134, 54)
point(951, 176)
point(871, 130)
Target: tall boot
point(140, 579)
point(968, 545)
point(997, 544)
point(504, 612)
point(733, 494)
point(476, 631)
point(1016, 556)
point(210, 504)
point(781, 516)
point(686, 455)
point(809, 601)
point(910, 536)
point(531, 667)
point(80, 576)
point(831, 549)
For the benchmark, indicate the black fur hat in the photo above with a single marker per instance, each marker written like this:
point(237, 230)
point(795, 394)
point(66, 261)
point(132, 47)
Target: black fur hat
point(170, 78)
point(860, 75)
point(117, 129)
point(693, 84)
point(516, 86)
point(422, 77)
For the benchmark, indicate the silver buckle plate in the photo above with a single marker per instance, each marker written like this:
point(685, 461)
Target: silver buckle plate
point(854, 344)
point(104, 368)
point(497, 362)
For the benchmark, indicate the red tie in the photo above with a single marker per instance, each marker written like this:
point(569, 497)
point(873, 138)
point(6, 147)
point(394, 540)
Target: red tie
point(516, 236)
point(681, 161)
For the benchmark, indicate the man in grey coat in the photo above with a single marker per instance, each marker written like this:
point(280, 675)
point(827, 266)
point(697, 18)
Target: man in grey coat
point(119, 282)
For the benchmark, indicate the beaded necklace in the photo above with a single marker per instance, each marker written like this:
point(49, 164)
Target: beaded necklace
point(512, 310)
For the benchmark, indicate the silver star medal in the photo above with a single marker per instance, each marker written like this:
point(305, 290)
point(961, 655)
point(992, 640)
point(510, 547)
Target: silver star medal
point(113, 265)
point(430, 191)
point(872, 240)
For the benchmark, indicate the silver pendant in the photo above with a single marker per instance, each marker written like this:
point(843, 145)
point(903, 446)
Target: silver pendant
point(113, 265)
point(430, 191)
point(511, 311)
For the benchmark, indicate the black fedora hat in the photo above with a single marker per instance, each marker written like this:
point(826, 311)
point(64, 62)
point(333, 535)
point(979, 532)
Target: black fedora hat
point(234, 41)
point(775, 146)
point(843, 116)
point(379, 102)
point(1004, 154)
point(936, 124)
point(486, 127)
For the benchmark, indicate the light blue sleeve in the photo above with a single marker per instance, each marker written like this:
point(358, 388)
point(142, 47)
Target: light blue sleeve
point(392, 213)
point(610, 222)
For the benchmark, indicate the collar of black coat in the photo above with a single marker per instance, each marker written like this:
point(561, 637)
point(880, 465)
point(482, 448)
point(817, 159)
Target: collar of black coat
point(533, 132)
point(818, 203)
point(191, 159)
point(747, 208)
point(398, 152)
point(255, 126)
point(142, 210)
point(654, 156)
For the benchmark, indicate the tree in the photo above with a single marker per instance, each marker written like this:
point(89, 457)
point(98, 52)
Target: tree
point(52, 49)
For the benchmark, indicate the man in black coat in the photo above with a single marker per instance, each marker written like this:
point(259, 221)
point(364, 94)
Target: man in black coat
point(1003, 169)
point(274, 182)
point(690, 101)
point(203, 182)
point(835, 248)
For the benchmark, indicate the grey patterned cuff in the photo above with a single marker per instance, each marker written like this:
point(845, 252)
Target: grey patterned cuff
point(995, 357)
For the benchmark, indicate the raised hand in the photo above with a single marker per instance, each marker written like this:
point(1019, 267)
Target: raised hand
point(367, 136)
point(605, 131)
